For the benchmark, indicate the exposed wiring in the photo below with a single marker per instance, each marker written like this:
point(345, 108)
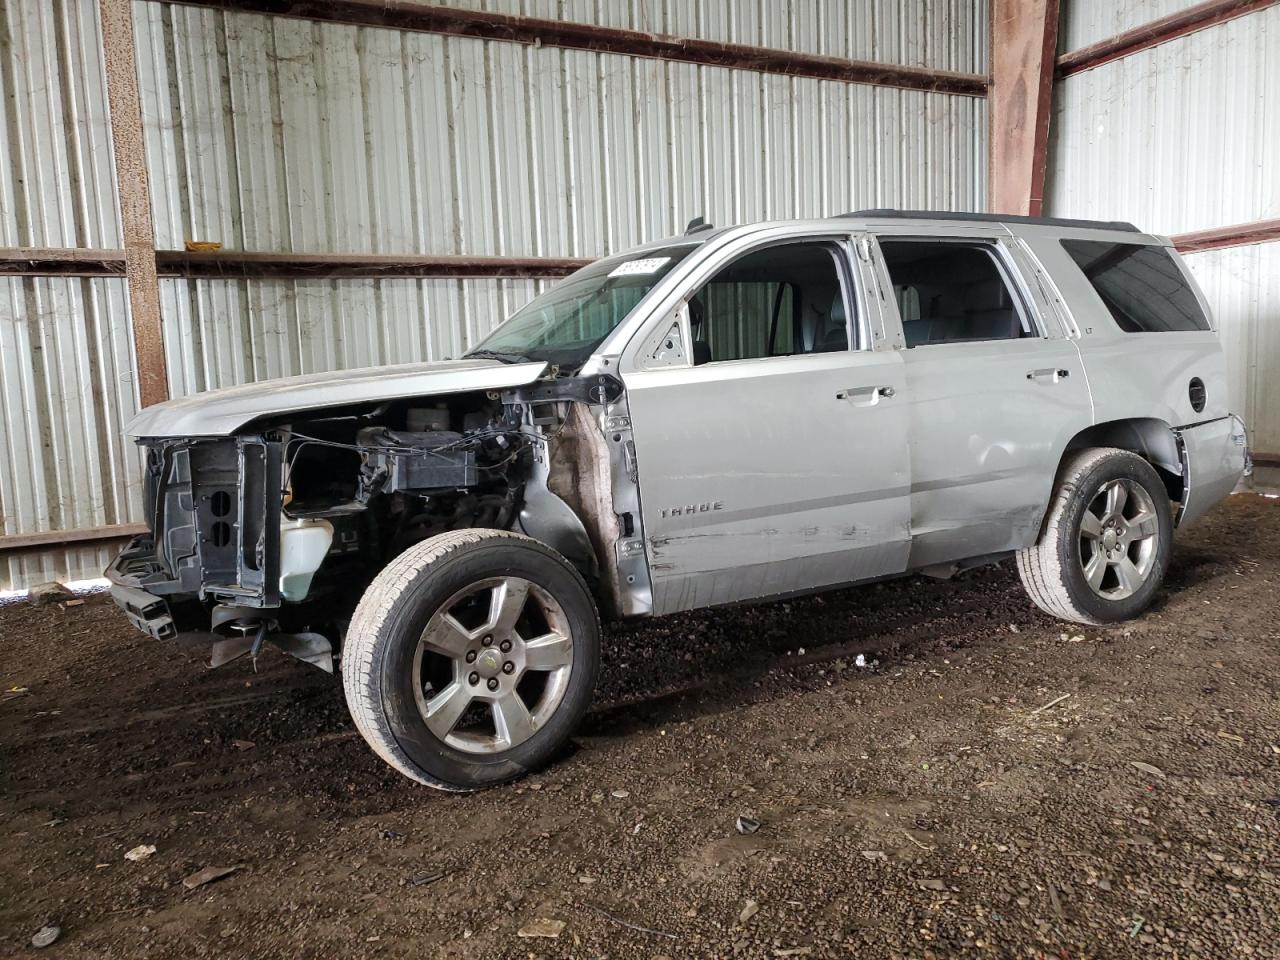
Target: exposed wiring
point(298, 441)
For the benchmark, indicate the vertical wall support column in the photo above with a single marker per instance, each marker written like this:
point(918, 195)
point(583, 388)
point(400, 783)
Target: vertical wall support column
point(135, 198)
point(1024, 39)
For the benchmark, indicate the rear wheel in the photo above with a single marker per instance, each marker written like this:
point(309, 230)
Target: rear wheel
point(1106, 542)
point(471, 658)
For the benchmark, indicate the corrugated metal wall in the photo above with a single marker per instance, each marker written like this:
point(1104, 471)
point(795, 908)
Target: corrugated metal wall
point(337, 138)
point(942, 34)
point(1085, 22)
point(1185, 136)
point(66, 364)
point(1242, 285)
point(286, 135)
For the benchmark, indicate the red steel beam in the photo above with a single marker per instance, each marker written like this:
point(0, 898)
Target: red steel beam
point(69, 538)
point(61, 261)
point(430, 18)
point(236, 263)
point(1024, 35)
point(1239, 235)
point(239, 264)
point(135, 201)
point(1156, 32)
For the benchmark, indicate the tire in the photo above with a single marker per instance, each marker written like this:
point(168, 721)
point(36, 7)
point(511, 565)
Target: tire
point(448, 721)
point(1092, 565)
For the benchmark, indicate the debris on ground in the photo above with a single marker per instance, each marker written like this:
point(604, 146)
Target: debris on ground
point(1052, 703)
point(426, 879)
point(746, 825)
point(45, 594)
point(749, 910)
point(542, 927)
point(140, 852)
point(628, 924)
point(45, 937)
point(209, 875)
point(1148, 768)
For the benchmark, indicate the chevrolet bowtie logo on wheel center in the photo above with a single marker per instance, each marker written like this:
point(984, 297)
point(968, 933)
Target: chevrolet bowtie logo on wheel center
point(489, 663)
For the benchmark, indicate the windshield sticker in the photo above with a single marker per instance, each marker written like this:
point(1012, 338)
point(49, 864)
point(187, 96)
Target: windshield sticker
point(636, 267)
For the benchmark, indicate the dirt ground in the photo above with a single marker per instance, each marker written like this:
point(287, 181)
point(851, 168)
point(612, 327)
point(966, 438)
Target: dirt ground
point(976, 791)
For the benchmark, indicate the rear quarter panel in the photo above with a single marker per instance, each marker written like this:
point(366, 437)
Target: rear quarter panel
point(1135, 374)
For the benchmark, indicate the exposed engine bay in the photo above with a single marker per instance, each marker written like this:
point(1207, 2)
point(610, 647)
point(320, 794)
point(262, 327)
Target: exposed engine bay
point(273, 534)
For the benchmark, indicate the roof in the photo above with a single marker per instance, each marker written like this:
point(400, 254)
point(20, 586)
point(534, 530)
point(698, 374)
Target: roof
point(888, 213)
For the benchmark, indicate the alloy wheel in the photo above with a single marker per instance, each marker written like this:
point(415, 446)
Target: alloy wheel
point(1119, 539)
point(493, 665)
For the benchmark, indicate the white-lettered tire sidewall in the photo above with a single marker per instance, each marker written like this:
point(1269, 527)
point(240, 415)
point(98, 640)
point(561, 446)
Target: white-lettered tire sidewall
point(1123, 466)
point(415, 607)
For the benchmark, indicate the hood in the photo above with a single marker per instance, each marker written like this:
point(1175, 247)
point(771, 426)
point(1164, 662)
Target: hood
point(219, 413)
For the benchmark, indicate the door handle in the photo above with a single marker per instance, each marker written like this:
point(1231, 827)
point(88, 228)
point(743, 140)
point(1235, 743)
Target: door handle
point(1048, 374)
point(865, 395)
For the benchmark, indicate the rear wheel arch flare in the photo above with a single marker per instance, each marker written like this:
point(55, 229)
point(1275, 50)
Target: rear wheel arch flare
point(1149, 437)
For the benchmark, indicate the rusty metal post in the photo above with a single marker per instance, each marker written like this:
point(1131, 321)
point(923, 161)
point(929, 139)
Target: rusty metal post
point(135, 199)
point(1024, 37)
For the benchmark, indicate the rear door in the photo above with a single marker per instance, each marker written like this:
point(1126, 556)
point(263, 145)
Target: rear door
point(995, 387)
point(770, 445)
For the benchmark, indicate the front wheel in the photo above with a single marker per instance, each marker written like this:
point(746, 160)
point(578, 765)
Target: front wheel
point(471, 658)
point(1106, 541)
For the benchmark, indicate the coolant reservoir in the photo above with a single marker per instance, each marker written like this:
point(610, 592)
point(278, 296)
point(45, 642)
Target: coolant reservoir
point(303, 546)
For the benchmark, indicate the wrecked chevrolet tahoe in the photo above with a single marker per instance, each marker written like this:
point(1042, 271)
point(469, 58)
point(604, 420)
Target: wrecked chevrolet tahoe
point(725, 416)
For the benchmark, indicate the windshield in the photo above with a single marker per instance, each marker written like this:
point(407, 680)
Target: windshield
point(567, 322)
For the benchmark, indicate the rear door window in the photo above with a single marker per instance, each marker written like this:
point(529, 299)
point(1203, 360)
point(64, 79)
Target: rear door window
point(952, 292)
point(1142, 286)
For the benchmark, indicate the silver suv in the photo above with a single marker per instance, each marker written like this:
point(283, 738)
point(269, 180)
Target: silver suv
point(729, 415)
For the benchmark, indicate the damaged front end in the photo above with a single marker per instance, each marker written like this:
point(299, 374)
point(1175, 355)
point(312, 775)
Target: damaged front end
point(222, 554)
point(271, 535)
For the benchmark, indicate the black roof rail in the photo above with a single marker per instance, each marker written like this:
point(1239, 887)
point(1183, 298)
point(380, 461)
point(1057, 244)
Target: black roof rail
point(889, 212)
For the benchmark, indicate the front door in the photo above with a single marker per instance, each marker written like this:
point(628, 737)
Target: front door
point(772, 457)
point(995, 390)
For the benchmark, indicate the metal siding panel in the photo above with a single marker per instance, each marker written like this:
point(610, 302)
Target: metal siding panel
point(1242, 285)
point(162, 132)
point(1085, 22)
point(57, 185)
point(451, 145)
point(943, 34)
point(309, 326)
point(66, 386)
point(252, 88)
point(1131, 135)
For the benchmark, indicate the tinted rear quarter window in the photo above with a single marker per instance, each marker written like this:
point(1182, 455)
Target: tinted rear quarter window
point(1141, 285)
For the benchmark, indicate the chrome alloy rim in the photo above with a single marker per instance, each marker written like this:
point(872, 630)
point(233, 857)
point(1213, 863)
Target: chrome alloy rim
point(492, 665)
point(1119, 539)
